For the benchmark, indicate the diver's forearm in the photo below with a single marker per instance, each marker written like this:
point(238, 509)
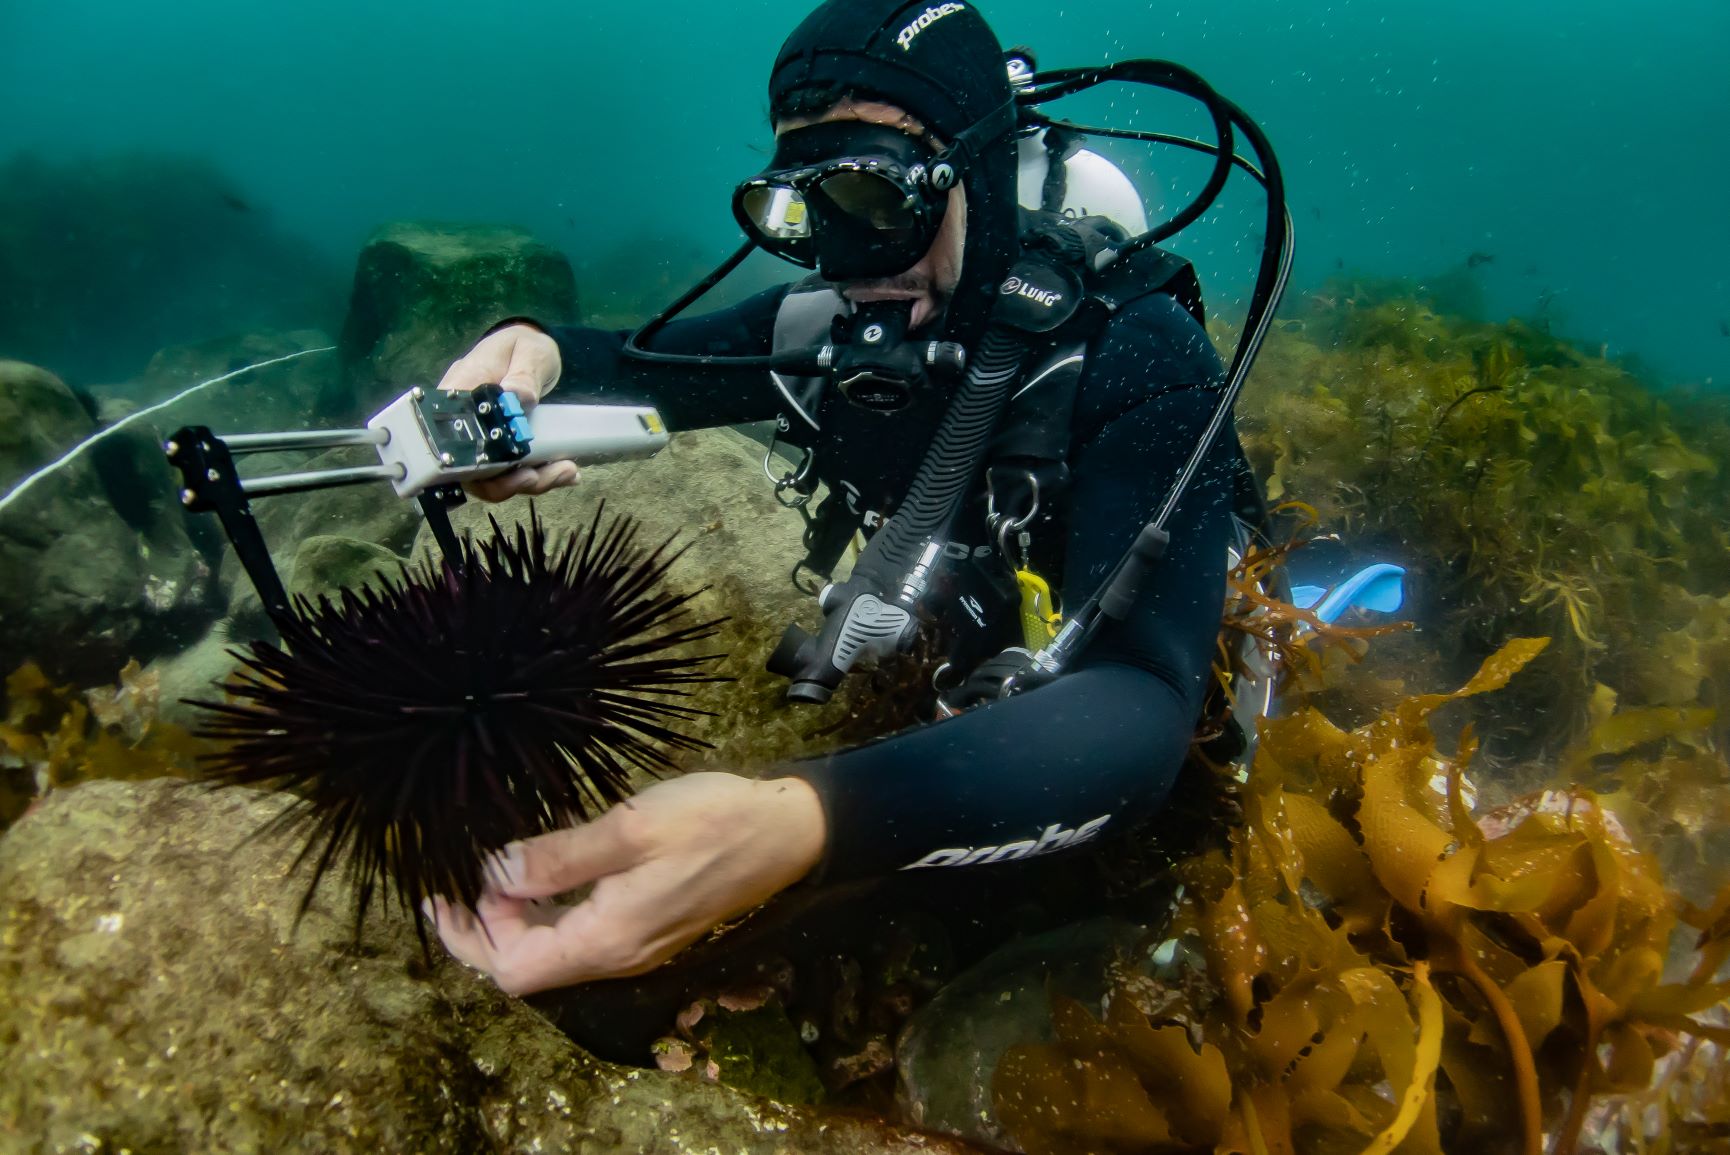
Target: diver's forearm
point(1047, 771)
point(596, 370)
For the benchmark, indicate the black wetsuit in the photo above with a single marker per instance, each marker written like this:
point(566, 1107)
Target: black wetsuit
point(1028, 773)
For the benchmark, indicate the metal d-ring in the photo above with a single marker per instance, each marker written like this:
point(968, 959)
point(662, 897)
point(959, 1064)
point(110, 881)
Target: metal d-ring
point(792, 479)
point(1003, 526)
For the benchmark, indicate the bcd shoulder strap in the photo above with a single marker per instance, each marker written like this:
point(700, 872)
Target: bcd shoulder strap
point(1027, 467)
point(1027, 462)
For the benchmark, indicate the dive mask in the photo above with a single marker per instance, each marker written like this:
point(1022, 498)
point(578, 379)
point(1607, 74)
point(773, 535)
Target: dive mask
point(853, 200)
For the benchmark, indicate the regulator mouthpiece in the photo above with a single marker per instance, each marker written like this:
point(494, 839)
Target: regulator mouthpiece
point(877, 368)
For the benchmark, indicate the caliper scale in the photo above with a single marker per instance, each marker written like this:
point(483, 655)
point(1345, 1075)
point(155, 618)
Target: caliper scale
point(428, 442)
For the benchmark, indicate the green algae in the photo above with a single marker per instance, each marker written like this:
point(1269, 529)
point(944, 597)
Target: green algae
point(1531, 486)
point(759, 1051)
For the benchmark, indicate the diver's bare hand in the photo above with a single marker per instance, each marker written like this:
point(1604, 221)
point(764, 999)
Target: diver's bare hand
point(667, 866)
point(526, 361)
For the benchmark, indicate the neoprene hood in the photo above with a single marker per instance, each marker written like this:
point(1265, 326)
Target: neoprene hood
point(939, 61)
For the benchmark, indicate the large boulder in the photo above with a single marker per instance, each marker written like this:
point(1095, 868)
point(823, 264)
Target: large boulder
point(103, 550)
point(424, 292)
point(85, 587)
point(162, 995)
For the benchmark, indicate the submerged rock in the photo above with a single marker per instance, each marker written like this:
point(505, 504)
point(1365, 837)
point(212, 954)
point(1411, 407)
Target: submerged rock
point(277, 398)
point(949, 1050)
point(371, 513)
point(195, 674)
point(323, 564)
point(277, 394)
point(423, 293)
point(76, 568)
point(103, 552)
point(162, 998)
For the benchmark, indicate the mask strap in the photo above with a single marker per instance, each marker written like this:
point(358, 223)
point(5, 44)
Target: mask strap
point(950, 167)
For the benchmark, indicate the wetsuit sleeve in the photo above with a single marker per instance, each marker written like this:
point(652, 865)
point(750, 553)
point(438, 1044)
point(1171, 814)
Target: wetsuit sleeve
point(1059, 766)
point(596, 371)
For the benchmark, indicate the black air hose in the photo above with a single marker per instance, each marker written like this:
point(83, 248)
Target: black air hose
point(950, 464)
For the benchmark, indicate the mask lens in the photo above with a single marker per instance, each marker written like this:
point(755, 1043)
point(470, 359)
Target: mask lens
point(870, 200)
point(777, 213)
point(848, 218)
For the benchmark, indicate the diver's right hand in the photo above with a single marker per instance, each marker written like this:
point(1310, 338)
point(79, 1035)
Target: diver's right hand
point(526, 361)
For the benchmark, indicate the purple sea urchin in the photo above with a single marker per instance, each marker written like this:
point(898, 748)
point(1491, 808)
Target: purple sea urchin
point(425, 723)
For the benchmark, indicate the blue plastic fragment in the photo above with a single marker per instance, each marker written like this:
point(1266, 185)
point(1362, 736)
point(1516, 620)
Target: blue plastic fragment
point(510, 404)
point(1379, 587)
point(520, 430)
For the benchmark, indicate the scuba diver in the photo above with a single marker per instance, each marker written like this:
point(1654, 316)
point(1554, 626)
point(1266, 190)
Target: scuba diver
point(996, 374)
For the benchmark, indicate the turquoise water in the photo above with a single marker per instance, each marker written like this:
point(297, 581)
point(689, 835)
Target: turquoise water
point(1580, 145)
point(195, 171)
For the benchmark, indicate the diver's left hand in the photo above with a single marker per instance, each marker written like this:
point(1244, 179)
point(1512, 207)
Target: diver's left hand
point(668, 865)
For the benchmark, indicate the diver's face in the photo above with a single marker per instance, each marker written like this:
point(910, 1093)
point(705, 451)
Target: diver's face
point(931, 282)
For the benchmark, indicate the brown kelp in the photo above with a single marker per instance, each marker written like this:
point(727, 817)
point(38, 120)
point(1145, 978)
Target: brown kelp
point(1372, 967)
point(54, 736)
point(1531, 486)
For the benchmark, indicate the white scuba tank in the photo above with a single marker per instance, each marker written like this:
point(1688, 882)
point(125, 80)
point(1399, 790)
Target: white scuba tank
point(1096, 186)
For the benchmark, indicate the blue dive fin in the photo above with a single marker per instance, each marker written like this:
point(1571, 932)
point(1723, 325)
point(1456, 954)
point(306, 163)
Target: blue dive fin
point(1303, 597)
